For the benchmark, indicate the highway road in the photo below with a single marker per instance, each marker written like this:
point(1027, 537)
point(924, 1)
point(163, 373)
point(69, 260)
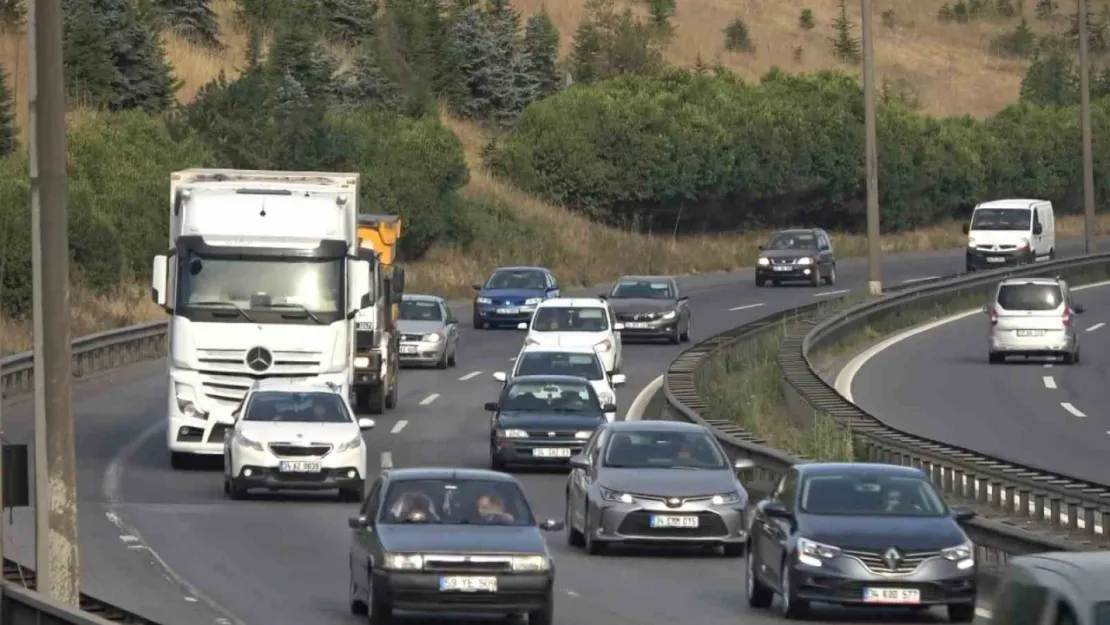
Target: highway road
point(938, 384)
point(170, 545)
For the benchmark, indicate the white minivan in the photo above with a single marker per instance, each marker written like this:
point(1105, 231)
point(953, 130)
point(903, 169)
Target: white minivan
point(1010, 232)
point(577, 322)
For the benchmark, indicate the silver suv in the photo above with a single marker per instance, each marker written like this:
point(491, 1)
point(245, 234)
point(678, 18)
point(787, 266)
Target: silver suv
point(1033, 317)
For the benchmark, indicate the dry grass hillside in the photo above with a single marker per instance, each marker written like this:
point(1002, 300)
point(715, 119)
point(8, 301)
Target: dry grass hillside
point(947, 63)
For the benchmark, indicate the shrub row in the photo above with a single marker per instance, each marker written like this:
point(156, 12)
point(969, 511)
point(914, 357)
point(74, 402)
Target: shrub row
point(718, 153)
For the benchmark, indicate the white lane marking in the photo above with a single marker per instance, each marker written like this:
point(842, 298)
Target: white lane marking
point(1048, 365)
point(513, 359)
point(387, 460)
point(397, 427)
point(1095, 327)
point(745, 307)
point(1049, 382)
point(827, 293)
point(984, 613)
point(429, 399)
point(912, 280)
point(1072, 409)
point(636, 409)
point(472, 374)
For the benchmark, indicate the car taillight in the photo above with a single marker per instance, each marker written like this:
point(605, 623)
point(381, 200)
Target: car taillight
point(1067, 317)
point(994, 317)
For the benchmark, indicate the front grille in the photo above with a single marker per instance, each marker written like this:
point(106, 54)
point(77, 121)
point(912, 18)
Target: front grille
point(644, 316)
point(503, 565)
point(874, 560)
point(219, 431)
point(782, 261)
point(567, 435)
point(638, 523)
point(411, 338)
point(299, 451)
point(364, 340)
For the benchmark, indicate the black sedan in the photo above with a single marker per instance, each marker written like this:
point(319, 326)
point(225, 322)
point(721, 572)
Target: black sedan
point(860, 534)
point(449, 540)
point(796, 256)
point(650, 307)
point(543, 420)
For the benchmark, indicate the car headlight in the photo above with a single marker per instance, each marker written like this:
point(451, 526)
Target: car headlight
point(484, 300)
point(243, 441)
point(1024, 244)
point(805, 261)
point(351, 444)
point(813, 553)
point(362, 362)
point(186, 397)
point(532, 301)
point(604, 346)
point(403, 561)
point(433, 337)
point(612, 495)
point(669, 315)
point(727, 498)
point(511, 433)
point(530, 563)
point(763, 262)
point(583, 435)
point(971, 242)
point(963, 555)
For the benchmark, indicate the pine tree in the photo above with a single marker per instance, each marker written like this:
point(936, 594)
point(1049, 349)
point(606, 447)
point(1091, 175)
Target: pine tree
point(350, 21)
point(541, 47)
point(586, 63)
point(846, 46)
point(296, 51)
point(1052, 79)
point(368, 83)
point(193, 20)
point(473, 54)
point(254, 45)
point(13, 14)
point(9, 133)
point(503, 65)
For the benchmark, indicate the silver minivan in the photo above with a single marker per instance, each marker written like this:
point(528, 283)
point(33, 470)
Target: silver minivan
point(1033, 317)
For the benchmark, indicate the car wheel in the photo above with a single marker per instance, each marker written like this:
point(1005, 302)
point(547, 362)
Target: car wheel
point(775, 283)
point(759, 596)
point(380, 610)
point(478, 324)
point(180, 461)
point(452, 359)
point(545, 615)
point(831, 278)
point(734, 550)
point(995, 358)
point(233, 490)
point(1068, 358)
point(961, 612)
point(816, 279)
point(685, 337)
point(358, 605)
point(495, 463)
point(350, 495)
point(593, 546)
point(442, 362)
point(760, 281)
point(574, 537)
point(676, 336)
point(792, 608)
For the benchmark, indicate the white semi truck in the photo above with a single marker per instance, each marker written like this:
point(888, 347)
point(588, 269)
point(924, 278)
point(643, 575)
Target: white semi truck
point(263, 278)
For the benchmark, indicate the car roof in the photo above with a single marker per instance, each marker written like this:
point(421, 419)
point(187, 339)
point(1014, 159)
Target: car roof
point(572, 302)
point(549, 378)
point(646, 278)
point(796, 231)
point(287, 386)
point(449, 473)
point(421, 297)
point(1083, 568)
point(558, 349)
point(840, 468)
point(1010, 203)
point(656, 426)
point(1009, 281)
point(520, 268)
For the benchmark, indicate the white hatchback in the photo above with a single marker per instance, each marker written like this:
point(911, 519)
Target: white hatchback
point(577, 322)
point(582, 362)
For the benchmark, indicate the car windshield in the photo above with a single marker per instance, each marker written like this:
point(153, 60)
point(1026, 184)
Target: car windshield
point(554, 397)
point(526, 279)
point(560, 363)
point(663, 450)
point(567, 319)
point(791, 240)
point(1001, 219)
point(421, 310)
point(1030, 297)
point(871, 494)
point(455, 502)
point(643, 289)
point(297, 407)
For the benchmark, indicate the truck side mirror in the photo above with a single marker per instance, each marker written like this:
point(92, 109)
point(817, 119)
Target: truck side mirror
point(159, 281)
point(399, 280)
point(359, 291)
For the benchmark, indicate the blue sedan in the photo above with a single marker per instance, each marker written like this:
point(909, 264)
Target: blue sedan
point(511, 294)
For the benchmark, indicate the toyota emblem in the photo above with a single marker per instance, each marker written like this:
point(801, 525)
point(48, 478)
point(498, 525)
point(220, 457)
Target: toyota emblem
point(551, 434)
point(892, 559)
point(674, 501)
point(259, 359)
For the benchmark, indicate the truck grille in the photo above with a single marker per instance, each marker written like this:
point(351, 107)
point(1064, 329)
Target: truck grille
point(225, 376)
point(299, 451)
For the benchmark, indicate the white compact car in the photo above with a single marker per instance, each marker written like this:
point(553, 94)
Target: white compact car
point(577, 322)
point(582, 362)
point(295, 436)
point(1033, 317)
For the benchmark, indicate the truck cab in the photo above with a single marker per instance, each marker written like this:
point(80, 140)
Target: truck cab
point(377, 340)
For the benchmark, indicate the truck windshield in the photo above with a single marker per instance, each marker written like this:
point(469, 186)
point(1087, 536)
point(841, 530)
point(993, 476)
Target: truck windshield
point(302, 290)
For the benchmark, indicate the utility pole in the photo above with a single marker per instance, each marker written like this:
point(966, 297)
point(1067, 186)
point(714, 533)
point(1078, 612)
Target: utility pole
point(874, 249)
point(1089, 224)
point(56, 558)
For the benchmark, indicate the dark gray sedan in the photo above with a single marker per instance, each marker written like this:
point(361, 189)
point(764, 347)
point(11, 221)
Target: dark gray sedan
point(450, 540)
point(650, 307)
point(652, 482)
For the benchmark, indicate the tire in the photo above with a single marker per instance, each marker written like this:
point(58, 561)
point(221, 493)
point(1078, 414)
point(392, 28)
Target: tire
point(775, 283)
point(479, 324)
point(685, 336)
point(759, 596)
point(495, 463)
point(1052, 254)
point(545, 615)
point(574, 537)
point(380, 611)
point(452, 360)
point(676, 337)
point(831, 278)
point(817, 279)
point(791, 608)
point(233, 491)
point(181, 461)
point(961, 612)
point(358, 606)
point(593, 546)
point(370, 399)
point(350, 495)
point(761, 282)
point(442, 364)
point(391, 397)
point(995, 359)
point(1068, 358)
point(734, 550)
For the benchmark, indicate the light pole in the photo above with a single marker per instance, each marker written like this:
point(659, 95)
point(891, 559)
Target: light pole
point(1085, 124)
point(875, 272)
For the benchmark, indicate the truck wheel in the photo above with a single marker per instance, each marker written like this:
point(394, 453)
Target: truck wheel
point(370, 399)
point(391, 397)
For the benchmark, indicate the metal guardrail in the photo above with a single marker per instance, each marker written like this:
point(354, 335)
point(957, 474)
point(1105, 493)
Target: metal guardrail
point(91, 354)
point(1053, 512)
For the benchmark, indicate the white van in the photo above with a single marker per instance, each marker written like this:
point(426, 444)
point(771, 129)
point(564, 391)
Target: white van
point(1010, 232)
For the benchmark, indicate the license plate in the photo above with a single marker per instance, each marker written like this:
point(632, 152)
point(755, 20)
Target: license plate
point(891, 595)
point(467, 584)
point(364, 325)
point(996, 259)
point(299, 467)
point(551, 452)
point(782, 268)
point(637, 325)
point(408, 349)
point(1030, 332)
point(674, 521)
point(508, 311)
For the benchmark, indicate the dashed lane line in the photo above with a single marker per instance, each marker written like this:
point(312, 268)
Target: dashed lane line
point(429, 399)
point(1049, 382)
point(827, 293)
point(470, 376)
point(746, 307)
point(387, 460)
point(1095, 327)
point(397, 427)
point(1072, 409)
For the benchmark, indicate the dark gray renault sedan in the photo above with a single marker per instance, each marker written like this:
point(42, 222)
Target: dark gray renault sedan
point(450, 540)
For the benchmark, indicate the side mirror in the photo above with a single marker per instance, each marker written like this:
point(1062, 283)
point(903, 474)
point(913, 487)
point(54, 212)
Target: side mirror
point(617, 379)
point(159, 281)
point(967, 229)
point(491, 406)
point(776, 510)
point(365, 424)
point(1079, 309)
point(609, 408)
point(986, 310)
point(743, 464)
point(399, 280)
point(961, 514)
point(617, 327)
point(500, 376)
point(602, 296)
point(579, 461)
point(552, 525)
point(684, 298)
point(522, 326)
point(1038, 229)
point(358, 522)
point(359, 291)
point(759, 247)
point(476, 287)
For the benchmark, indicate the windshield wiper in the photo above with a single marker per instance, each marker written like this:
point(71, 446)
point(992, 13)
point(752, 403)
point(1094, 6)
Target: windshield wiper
point(300, 307)
point(232, 305)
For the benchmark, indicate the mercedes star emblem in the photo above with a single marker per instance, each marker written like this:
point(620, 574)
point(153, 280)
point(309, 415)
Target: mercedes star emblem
point(259, 359)
point(892, 558)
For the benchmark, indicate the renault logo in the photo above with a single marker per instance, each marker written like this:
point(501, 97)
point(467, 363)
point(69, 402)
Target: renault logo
point(892, 559)
point(259, 359)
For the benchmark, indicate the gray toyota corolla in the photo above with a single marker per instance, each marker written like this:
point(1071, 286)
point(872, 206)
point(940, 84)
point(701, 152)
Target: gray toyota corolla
point(651, 482)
